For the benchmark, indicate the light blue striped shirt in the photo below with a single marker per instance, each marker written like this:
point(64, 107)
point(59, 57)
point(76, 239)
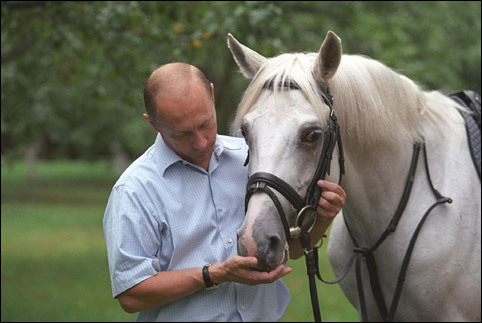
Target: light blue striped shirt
point(165, 214)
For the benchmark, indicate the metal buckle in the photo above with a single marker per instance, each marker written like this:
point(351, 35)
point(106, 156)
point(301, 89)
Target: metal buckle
point(253, 189)
point(296, 231)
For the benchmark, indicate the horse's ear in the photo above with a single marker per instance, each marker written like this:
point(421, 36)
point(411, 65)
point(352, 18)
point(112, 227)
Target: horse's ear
point(328, 58)
point(247, 59)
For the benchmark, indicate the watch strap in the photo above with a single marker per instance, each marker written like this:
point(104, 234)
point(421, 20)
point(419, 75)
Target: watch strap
point(208, 283)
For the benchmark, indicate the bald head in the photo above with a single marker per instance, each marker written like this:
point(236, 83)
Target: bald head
point(173, 82)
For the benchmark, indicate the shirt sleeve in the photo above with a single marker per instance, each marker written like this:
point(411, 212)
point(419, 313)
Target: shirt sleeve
point(132, 236)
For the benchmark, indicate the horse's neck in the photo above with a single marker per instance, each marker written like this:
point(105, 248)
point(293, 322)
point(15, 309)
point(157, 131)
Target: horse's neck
point(374, 182)
point(378, 142)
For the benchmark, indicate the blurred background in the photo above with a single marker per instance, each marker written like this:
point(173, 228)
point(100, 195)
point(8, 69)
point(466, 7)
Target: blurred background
point(72, 78)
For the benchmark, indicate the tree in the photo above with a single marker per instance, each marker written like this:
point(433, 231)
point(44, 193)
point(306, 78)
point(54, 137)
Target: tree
point(73, 72)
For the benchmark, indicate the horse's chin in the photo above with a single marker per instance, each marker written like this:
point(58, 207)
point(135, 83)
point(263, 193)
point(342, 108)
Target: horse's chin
point(270, 266)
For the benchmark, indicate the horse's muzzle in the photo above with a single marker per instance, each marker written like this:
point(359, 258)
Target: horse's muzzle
point(270, 250)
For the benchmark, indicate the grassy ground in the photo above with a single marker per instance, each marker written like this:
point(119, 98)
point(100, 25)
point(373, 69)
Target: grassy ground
point(53, 257)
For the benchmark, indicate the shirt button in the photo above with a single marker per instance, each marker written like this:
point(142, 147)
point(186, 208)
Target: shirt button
point(220, 208)
point(230, 240)
point(243, 308)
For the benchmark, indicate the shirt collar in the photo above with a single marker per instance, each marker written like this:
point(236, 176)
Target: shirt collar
point(166, 157)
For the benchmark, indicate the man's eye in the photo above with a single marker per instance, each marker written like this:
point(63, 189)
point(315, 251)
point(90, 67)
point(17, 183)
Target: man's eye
point(180, 135)
point(205, 125)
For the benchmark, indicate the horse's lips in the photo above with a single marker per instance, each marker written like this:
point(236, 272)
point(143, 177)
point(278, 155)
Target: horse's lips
point(271, 268)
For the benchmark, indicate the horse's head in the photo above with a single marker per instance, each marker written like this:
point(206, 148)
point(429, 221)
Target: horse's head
point(284, 118)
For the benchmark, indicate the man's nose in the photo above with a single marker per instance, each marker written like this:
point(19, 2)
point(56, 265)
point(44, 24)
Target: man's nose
point(200, 142)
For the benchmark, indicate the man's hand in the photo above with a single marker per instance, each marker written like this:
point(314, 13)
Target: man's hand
point(239, 269)
point(169, 286)
point(331, 201)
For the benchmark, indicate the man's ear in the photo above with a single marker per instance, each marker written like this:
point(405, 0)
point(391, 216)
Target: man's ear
point(146, 116)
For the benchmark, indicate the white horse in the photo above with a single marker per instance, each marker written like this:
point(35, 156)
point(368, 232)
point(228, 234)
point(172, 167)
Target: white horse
point(381, 114)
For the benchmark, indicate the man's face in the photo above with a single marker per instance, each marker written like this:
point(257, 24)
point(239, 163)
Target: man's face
point(188, 126)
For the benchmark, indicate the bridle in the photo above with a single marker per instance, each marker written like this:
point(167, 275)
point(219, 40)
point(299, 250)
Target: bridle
point(265, 182)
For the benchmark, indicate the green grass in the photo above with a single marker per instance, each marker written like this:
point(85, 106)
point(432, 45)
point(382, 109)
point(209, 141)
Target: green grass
point(54, 265)
point(334, 306)
point(53, 256)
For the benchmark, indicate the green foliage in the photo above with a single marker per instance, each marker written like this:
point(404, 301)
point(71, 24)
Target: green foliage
point(73, 72)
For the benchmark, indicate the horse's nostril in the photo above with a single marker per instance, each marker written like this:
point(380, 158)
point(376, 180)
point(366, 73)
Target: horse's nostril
point(270, 253)
point(275, 246)
point(274, 242)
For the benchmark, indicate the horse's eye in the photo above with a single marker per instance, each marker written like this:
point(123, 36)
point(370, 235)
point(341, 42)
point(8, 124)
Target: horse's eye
point(312, 136)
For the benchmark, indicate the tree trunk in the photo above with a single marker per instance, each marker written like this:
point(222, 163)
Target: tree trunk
point(120, 158)
point(31, 157)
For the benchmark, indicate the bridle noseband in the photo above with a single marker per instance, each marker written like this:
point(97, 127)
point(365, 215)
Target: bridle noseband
point(265, 182)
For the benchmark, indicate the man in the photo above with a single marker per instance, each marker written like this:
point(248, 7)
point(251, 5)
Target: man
point(176, 209)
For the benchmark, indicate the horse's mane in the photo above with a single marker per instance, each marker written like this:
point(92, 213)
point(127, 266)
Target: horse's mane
point(374, 104)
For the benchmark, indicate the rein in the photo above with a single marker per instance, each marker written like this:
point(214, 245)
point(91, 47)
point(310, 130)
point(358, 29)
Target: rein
point(361, 252)
point(265, 182)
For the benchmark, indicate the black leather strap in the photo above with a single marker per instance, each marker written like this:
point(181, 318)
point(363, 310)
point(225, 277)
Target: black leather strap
point(264, 181)
point(262, 186)
point(313, 192)
point(367, 253)
point(208, 283)
point(278, 184)
point(311, 270)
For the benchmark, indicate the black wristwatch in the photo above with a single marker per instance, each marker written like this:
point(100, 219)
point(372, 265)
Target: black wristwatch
point(208, 283)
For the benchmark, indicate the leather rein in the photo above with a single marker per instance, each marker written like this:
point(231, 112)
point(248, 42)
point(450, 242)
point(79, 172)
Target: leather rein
point(265, 182)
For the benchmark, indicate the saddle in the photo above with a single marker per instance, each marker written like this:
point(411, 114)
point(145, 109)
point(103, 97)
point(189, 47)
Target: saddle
point(471, 101)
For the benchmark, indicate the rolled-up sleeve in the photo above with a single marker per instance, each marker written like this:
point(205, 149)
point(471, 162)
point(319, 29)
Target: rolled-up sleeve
point(132, 235)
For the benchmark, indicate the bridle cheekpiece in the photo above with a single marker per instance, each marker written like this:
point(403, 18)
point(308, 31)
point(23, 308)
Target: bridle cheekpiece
point(265, 182)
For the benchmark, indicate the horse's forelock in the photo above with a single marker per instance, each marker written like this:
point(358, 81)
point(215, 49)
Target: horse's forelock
point(293, 67)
